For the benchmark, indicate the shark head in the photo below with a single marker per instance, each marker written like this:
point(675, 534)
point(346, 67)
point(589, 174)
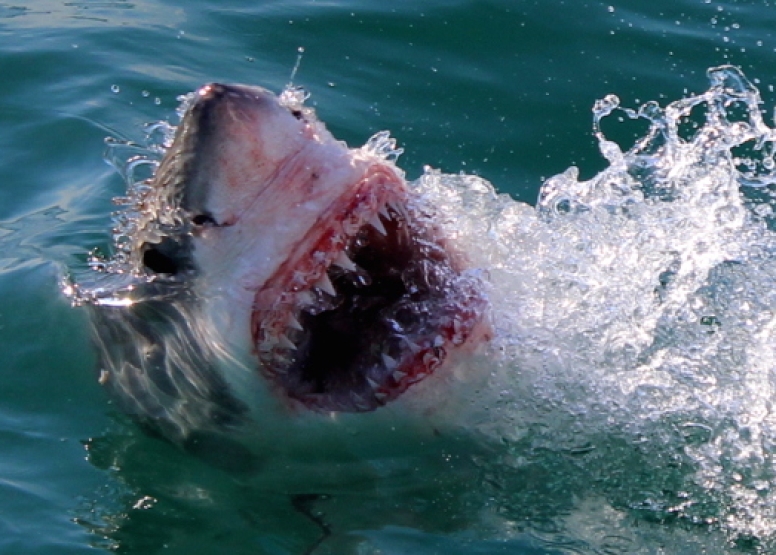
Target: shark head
point(314, 258)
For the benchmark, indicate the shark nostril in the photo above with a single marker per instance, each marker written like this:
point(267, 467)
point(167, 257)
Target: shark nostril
point(212, 90)
point(158, 262)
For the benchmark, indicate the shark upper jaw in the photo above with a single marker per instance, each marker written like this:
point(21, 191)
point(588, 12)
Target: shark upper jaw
point(340, 282)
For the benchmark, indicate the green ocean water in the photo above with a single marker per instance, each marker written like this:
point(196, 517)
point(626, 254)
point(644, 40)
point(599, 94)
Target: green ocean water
point(501, 89)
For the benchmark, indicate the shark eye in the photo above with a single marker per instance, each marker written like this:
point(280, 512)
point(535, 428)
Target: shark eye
point(204, 220)
point(297, 114)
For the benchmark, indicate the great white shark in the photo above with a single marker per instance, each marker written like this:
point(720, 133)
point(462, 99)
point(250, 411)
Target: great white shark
point(277, 273)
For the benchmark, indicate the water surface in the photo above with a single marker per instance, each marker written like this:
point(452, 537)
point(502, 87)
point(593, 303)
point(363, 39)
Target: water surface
point(677, 455)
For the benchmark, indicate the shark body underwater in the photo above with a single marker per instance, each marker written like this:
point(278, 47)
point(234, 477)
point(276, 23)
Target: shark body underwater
point(275, 271)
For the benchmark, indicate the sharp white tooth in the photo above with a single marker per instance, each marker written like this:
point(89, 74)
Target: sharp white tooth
point(344, 262)
point(398, 375)
point(373, 384)
point(286, 343)
point(439, 341)
point(305, 298)
point(389, 361)
point(383, 210)
point(377, 224)
point(325, 285)
point(380, 396)
point(398, 207)
point(293, 323)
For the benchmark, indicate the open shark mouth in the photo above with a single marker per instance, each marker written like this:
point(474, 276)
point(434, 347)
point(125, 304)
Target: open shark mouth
point(373, 308)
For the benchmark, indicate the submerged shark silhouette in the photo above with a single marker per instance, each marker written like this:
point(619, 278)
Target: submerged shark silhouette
point(270, 253)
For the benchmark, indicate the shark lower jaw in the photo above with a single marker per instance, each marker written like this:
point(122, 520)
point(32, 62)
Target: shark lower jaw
point(369, 305)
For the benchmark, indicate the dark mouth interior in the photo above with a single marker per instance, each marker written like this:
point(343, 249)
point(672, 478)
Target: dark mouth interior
point(341, 339)
point(385, 312)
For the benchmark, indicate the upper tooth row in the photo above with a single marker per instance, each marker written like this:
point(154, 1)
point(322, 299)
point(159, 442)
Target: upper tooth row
point(343, 261)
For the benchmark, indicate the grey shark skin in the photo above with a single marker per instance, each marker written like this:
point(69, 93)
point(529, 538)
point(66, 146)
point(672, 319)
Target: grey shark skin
point(287, 279)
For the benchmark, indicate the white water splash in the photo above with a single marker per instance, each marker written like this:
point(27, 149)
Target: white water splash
point(636, 316)
point(382, 145)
